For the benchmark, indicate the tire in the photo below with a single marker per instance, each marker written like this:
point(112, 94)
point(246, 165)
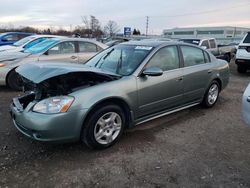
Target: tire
point(100, 131)
point(241, 69)
point(227, 57)
point(211, 95)
point(14, 81)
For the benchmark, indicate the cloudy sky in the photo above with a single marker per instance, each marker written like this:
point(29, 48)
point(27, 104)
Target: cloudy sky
point(162, 14)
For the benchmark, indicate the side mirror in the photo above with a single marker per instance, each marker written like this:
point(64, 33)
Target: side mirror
point(153, 71)
point(46, 53)
point(204, 47)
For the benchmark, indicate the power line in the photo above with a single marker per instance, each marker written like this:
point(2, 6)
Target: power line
point(203, 12)
point(147, 20)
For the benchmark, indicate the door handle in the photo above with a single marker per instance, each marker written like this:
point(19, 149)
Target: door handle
point(209, 71)
point(179, 79)
point(73, 57)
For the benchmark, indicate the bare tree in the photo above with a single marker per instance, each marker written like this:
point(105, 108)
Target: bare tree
point(92, 26)
point(111, 28)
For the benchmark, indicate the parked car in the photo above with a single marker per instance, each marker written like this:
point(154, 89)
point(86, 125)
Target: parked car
point(12, 37)
point(25, 43)
point(72, 50)
point(243, 54)
point(226, 52)
point(246, 105)
point(120, 87)
point(116, 41)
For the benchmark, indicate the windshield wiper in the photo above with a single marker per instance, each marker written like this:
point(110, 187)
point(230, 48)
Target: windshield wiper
point(103, 57)
point(119, 64)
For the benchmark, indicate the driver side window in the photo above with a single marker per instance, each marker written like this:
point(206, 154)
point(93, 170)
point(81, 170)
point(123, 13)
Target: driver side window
point(166, 59)
point(62, 48)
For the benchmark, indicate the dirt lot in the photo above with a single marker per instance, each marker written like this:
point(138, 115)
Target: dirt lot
point(194, 148)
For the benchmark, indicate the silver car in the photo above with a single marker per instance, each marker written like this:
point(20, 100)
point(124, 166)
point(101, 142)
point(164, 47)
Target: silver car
point(120, 87)
point(246, 105)
point(24, 43)
point(72, 50)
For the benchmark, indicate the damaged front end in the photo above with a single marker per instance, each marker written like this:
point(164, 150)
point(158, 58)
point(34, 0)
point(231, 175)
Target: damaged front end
point(44, 106)
point(49, 80)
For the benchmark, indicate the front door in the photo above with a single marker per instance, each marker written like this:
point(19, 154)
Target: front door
point(161, 92)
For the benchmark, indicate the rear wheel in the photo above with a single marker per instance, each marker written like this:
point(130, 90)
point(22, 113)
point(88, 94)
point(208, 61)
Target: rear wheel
point(104, 127)
point(227, 57)
point(241, 69)
point(212, 94)
point(14, 81)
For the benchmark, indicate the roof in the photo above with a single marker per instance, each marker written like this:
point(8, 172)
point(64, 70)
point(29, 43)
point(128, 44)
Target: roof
point(17, 33)
point(149, 43)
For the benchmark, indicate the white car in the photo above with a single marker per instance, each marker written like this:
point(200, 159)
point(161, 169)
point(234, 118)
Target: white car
point(243, 54)
point(25, 43)
point(246, 105)
point(71, 50)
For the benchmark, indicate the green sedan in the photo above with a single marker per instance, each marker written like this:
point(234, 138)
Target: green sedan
point(119, 88)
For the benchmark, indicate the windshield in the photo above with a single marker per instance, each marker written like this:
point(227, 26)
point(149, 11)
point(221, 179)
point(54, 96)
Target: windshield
point(42, 46)
point(23, 41)
point(121, 59)
point(191, 41)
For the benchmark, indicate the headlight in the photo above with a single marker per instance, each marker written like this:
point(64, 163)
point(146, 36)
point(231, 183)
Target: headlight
point(58, 104)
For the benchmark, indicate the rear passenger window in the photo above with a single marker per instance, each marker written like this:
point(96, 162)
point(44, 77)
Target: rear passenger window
point(166, 59)
point(192, 56)
point(205, 43)
point(87, 47)
point(212, 43)
point(11, 37)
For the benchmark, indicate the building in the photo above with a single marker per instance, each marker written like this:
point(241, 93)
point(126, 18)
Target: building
point(225, 34)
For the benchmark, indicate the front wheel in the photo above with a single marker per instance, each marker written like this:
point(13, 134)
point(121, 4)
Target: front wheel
point(104, 127)
point(212, 94)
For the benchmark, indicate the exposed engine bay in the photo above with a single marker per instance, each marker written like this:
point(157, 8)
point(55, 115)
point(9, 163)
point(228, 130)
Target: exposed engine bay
point(65, 84)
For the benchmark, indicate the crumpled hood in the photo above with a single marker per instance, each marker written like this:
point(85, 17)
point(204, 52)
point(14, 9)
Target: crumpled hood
point(40, 71)
point(10, 56)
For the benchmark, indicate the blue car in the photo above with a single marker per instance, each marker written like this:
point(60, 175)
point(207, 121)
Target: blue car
point(11, 37)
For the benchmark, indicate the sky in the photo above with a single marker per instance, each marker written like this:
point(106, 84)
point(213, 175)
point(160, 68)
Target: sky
point(163, 14)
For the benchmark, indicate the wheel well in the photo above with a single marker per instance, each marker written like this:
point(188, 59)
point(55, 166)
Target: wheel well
point(7, 76)
point(219, 81)
point(116, 101)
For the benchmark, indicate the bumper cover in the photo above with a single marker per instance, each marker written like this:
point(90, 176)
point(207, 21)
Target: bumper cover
point(243, 62)
point(61, 127)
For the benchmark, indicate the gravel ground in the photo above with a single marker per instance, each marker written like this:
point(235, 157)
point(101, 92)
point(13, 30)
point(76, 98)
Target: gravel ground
point(193, 148)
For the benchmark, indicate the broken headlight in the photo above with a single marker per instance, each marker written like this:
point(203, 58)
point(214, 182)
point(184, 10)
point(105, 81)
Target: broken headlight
point(52, 105)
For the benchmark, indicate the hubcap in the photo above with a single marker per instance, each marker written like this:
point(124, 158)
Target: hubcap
point(213, 94)
point(108, 128)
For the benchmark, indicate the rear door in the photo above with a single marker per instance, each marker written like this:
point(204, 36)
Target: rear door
point(197, 71)
point(62, 52)
point(86, 50)
point(161, 92)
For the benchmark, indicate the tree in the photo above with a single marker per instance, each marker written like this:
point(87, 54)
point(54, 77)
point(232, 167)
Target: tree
point(111, 28)
point(136, 32)
point(92, 26)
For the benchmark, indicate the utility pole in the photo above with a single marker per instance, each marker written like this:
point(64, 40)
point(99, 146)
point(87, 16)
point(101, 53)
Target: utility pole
point(147, 20)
